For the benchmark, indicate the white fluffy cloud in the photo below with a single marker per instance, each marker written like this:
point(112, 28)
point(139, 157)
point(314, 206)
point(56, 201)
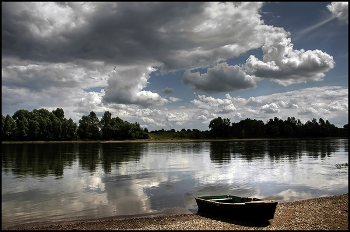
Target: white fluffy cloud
point(285, 65)
point(126, 86)
point(339, 10)
point(270, 108)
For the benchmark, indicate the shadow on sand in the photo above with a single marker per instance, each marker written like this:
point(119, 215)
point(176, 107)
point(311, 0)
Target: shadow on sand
point(249, 222)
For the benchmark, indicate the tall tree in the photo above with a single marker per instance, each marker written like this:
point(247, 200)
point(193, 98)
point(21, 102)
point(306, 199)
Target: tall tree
point(9, 130)
point(220, 127)
point(106, 125)
point(2, 124)
point(21, 118)
point(59, 113)
point(89, 127)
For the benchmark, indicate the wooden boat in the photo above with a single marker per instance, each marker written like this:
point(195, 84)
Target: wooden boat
point(237, 207)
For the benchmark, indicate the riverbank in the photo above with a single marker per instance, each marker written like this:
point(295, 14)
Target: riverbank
point(175, 140)
point(324, 213)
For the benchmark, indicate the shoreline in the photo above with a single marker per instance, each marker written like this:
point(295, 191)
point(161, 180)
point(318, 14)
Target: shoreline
point(323, 213)
point(169, 140)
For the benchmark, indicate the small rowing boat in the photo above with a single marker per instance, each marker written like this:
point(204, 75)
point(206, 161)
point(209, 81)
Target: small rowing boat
point(237, 207)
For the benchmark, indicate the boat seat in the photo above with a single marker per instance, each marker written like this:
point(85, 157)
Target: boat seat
point(221, 199)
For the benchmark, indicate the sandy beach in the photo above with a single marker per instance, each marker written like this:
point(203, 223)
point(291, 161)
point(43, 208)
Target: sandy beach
point(324, 213)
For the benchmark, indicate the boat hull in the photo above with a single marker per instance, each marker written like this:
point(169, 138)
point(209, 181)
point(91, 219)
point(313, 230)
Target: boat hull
point(255, 209)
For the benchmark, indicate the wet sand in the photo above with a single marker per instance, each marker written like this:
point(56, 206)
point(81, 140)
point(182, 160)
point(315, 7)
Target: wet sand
point(325, 213)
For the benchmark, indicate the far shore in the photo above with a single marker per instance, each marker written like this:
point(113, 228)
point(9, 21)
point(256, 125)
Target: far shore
point(175, 140)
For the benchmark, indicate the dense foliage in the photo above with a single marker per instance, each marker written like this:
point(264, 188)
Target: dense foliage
point(43, 125)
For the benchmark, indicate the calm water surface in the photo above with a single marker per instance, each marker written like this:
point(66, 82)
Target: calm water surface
point(66, 182)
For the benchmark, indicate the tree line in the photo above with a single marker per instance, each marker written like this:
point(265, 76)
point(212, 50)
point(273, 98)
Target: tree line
point(43, 125)
point(291, 127)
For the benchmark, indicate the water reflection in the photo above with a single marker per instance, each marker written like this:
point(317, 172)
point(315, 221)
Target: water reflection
point(74, 181)
point(38, 160)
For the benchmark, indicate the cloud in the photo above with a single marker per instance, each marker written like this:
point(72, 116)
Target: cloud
point(174, 99)
point(151, 121)
point(338, 106)
point(270, 108)
point(126, 87)
point(92, 101)
point(339, 10)
point(167, 90)
point(39, 77)
point(254, 101)
point(123, 34)
point(220, 78)
point(226, 109)
point(306, 110)
point(176, 117)
point(319, 102)
point(285, 65)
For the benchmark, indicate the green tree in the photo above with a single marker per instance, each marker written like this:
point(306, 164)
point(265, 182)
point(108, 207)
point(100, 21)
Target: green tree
point(89, 127)
point(220, 127)
point(59, 113)
point(9, 130)
point(288, 130)
point(2, 124)
point(56, 129)
point(34, 129)
point(21, 118)
point(106, 125)
point(69, 129)
point(94, 126)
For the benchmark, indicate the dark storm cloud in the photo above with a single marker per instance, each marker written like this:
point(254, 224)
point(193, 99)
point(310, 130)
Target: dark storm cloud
point(121, 33)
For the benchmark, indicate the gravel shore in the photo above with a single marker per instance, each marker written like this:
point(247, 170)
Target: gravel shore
point(325, 213)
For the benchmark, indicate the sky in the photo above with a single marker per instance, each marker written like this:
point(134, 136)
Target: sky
point(172, 65)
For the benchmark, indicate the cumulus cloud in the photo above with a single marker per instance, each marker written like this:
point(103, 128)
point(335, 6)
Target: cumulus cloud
point(339, 10)
point(285, 65)
point(254, 101)
point(220, 78)
point(306, 110)
point(92, 101)
point(176, 117)
point(338, 106)
point(126, 86)
point(202, 115)
point(270, 108)
point(151, 121)
point(226, 109)
point(216, 105)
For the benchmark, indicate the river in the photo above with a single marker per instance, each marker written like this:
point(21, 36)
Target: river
point(59, 182)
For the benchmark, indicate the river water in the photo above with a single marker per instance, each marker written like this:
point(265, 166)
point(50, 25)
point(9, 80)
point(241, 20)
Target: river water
point(55, 182)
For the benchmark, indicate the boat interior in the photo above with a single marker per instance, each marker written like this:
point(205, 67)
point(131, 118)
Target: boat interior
point(232, 199)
